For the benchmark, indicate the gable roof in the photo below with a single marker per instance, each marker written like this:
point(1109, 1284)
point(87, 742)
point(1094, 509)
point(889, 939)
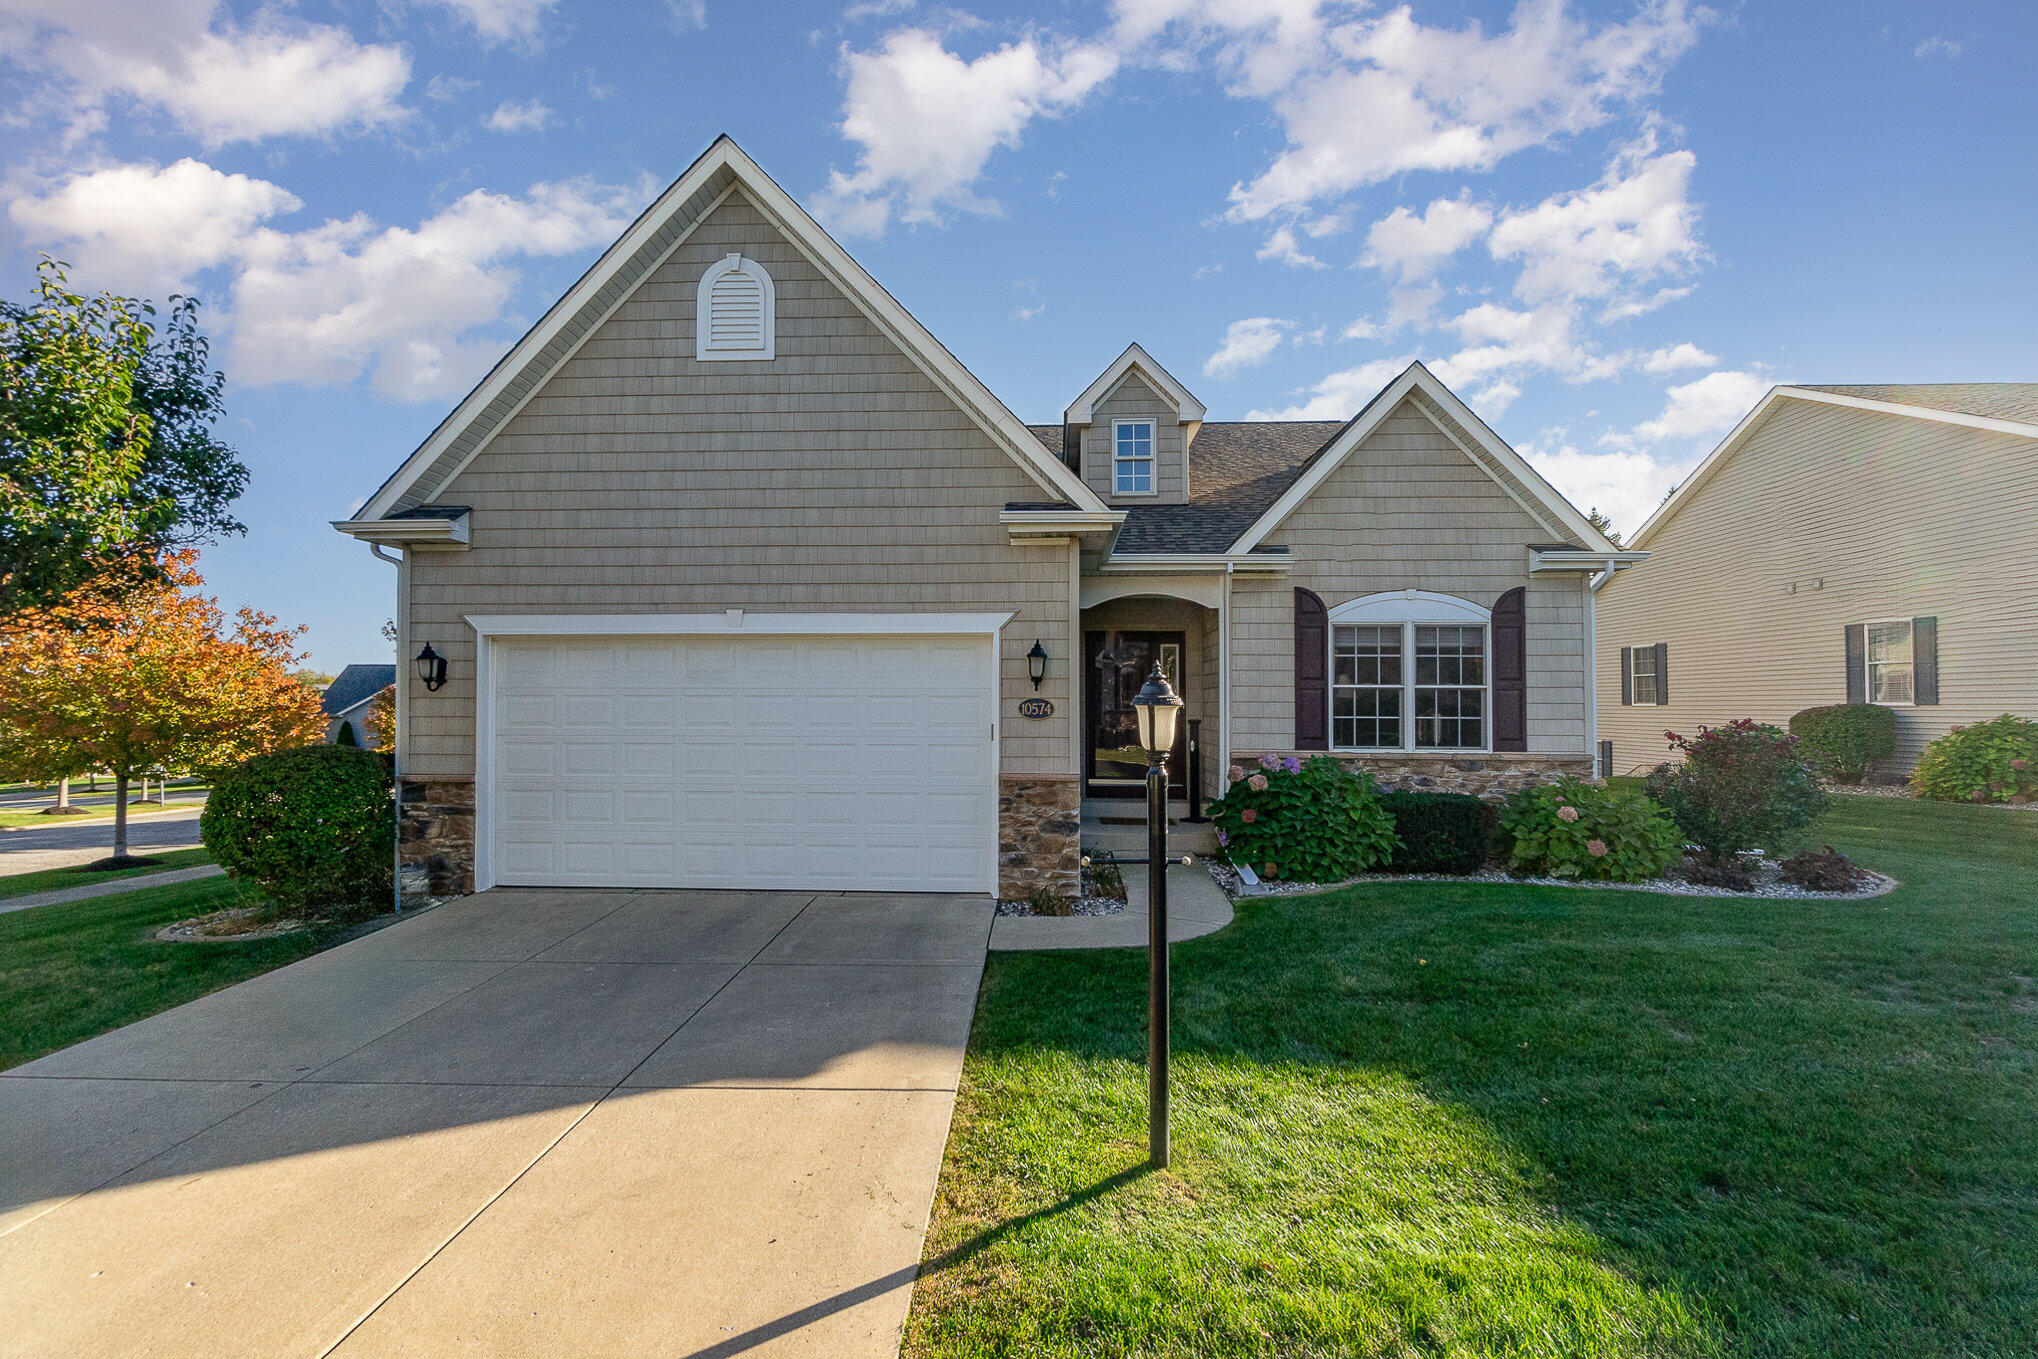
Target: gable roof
point(721, 170)
point(1237, 468)
point(2002, 407)
point(2013, 401)
point(354, 686)
point(1487, 450)
point(1083, 409)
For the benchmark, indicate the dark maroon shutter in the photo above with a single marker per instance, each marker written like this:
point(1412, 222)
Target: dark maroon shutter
point(1662, 673)
point(1924, 660)
point(1510, 670)
point(1312, 678)
point(1627, 676)
point(1857, 663)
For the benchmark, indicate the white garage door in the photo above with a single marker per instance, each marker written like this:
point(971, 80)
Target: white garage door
point(850, 763)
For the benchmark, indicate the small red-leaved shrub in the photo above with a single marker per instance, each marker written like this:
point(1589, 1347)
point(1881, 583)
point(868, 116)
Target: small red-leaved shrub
point(1742, 786)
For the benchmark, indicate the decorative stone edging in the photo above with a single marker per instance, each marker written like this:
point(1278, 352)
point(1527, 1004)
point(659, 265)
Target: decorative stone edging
point(1877, 885)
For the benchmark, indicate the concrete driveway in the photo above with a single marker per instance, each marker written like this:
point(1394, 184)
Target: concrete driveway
point(525, 1123)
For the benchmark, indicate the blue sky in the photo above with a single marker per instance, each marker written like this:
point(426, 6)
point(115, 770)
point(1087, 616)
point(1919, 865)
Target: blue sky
point(1608, 226)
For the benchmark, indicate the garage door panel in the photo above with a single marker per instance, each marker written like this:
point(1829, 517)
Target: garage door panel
point(710, 762)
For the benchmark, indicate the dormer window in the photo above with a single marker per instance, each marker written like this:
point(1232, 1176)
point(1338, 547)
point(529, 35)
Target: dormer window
point(733, 311)
point(1132, 457)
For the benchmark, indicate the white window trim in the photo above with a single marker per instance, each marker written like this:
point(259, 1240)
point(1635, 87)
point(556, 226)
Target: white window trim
point(1634, 676)
point(1868, 666)
point(729, 264)
point(1411, 609)
point(1153, 460)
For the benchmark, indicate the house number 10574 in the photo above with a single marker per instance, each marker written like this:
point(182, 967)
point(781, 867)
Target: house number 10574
point(1036, 708)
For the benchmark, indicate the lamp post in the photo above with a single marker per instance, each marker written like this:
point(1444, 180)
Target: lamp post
point(1157, 708)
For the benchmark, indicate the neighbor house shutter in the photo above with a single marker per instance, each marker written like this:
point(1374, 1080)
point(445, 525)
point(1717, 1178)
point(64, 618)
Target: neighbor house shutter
point(1924, 660)
point(1312, 679)
point(1627, 676)
point(1662, 650)
point(1510, 670)
point(1857, 662)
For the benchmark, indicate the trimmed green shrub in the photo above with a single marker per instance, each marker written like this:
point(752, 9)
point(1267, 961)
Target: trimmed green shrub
point(1992, 761)
point(1440, 832)
point(1573, 829)
point(346, 736)
point(1312, 821)
point(1742, 786)
point(1843, 739)
point(312, 827)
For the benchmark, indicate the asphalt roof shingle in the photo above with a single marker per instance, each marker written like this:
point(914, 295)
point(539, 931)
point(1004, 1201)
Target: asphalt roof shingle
point(1989, 400)
point(1237, 469)
point(354, 684)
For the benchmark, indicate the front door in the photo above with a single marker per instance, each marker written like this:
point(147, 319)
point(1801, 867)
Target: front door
point(1117, 665)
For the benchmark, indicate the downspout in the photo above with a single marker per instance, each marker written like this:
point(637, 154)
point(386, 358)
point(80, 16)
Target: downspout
point(402, 565)
point(1592, 669)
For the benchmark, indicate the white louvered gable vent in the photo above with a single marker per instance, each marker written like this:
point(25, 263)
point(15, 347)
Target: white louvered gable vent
point(734, 319)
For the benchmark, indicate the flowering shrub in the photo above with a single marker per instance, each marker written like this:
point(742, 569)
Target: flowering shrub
point(1306, 822)
point(1843, 739)
point(1742, 786)
point(1992, 761)
point(1609, 834)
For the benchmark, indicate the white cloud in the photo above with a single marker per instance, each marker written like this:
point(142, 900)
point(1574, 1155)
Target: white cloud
point(1625, 486)
point(1710, 406)
point(1282, 247)
point(1939, 47)
point(1673, 357)
point(928, 121)
point(219, 79)
point(1500, 340)
point(1632, 227)
point(411, 308)
point(1413, 245)
point(444, 89)
point(1412, 307)
point(502, 20)
point(138, 228)
point(1490, 401)
point(688, 16)
point(1362, 329)
point(1247, 344)
point(1363, 98)
point(1028, 313)
point(1340, 395)
point(533, 115)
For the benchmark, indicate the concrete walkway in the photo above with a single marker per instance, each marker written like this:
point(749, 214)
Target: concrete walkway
point(109, 888)
point(524, 1123)
point(1196, 906)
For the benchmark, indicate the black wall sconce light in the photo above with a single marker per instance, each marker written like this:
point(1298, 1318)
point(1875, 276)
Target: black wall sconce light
point(1036, 663)
point(431, 668)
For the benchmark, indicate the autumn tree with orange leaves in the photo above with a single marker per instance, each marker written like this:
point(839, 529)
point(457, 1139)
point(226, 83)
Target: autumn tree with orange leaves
point(150, 681)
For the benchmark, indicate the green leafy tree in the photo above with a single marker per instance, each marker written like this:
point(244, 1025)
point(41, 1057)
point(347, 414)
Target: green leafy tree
point(108, 455)
point(346, 736)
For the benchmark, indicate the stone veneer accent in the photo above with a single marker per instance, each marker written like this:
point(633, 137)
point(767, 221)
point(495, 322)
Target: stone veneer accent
point(437, 835)
point(1491, 777)
point(1040, 831)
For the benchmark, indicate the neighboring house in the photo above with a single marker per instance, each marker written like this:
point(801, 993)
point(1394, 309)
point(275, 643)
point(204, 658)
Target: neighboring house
point(351, 698)
point(1863, 544)
point(742, 579)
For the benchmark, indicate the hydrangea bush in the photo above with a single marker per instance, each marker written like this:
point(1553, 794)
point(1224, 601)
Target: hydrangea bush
point(1992, 761)
point(1573, 829)
point(1305, 821)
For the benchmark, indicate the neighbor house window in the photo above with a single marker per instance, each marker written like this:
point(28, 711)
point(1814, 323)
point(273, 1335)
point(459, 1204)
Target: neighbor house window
point(1892, 677)
point(1645, 675)
point(1409, 672)
point(1132, 457)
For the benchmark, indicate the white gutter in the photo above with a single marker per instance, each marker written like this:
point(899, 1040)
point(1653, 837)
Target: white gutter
point(1544, 560)
point(419, 533)
point(1176, 562)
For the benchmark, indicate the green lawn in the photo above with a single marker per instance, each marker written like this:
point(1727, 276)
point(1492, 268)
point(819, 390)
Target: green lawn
point(36, 819)
point(52, 879)
point(69, 972)
point(1414, 1119)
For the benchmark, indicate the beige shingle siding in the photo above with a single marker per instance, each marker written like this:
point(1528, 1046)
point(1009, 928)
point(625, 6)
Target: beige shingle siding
point(1407, 509)
point(834, 478)
point(1134, 399)
point(1898, 517)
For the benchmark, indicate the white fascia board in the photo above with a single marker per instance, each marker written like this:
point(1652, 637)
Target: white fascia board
point(1059, 523)
point(421, 533)
point(1082, 410)
point(1377, 410)
point(734, 621)
point(1744, 431)
point(1542, 561)
point(877, 304)
point(1229, 563)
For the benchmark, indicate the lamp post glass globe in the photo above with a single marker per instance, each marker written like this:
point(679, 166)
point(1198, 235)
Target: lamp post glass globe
point(1157, 708)
point(1036, 663)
